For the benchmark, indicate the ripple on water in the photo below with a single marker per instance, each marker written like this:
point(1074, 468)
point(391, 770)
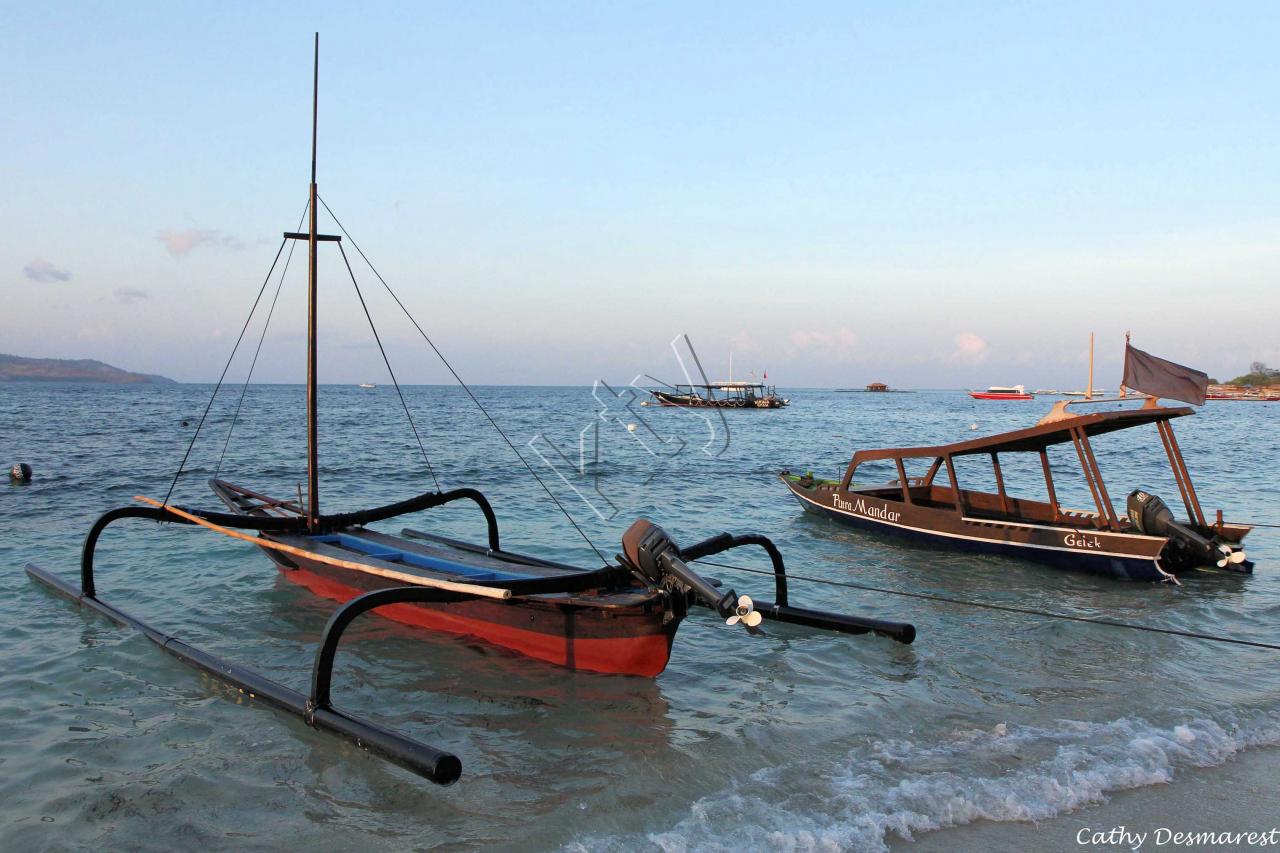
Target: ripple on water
point(790, 741)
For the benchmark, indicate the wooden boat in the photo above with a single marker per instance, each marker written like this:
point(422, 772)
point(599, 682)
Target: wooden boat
point(1146, 544)
point(1003, 392)
point(733, 395)
point(620, 617)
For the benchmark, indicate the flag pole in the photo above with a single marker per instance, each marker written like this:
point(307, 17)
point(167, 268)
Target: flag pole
point(1124, 392)
point(1088, 391)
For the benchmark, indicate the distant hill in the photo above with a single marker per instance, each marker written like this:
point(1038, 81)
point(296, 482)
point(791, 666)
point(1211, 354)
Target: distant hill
point(1259, 374)
point(15, 368)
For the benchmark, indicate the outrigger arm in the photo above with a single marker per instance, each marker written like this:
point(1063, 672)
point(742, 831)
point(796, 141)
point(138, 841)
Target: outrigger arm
point(315, 708)
point(650, 552)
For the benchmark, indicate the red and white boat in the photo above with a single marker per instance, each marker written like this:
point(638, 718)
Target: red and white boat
point(1003, 392)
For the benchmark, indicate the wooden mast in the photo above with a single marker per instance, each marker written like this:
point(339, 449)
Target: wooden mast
point(313, 464)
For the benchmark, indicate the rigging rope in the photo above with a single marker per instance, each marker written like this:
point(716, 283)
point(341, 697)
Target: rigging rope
point(464, 385)
point(182, 465)
point(387, 361)
point(1113, 623)
point(253, 364)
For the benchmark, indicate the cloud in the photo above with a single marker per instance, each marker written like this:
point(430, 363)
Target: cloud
point(129, 295)
point(42, 270)
point(182, 242)
point(832, 346)
point(971, 348)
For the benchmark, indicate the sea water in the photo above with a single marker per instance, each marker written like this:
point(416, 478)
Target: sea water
point(993, 731)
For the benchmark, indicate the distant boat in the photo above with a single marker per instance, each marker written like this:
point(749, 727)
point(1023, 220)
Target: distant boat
point(737, 395)
point(367, 385)
point(1003, 392)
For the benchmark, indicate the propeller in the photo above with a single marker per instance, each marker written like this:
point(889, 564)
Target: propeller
point(745, 613)
point(1232, 557)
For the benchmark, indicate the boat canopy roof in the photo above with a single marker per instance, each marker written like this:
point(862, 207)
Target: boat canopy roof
point(723, 386)
point(1036, 438)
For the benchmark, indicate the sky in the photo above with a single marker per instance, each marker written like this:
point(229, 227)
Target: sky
point(930, 195)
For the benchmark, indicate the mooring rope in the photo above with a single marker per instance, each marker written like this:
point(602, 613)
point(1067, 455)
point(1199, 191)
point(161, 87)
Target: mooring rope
point(1026, 611)
point(387, 362)
point(585, 538)
point(182, 465)
point(261, 338)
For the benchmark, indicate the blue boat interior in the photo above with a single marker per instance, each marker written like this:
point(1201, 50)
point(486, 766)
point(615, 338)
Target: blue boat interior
point(380, 551)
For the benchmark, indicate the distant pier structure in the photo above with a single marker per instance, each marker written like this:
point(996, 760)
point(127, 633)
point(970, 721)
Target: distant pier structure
point(872, 388)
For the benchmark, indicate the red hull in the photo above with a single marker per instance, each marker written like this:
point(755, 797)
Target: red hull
point(983, 395)
point(597, 640)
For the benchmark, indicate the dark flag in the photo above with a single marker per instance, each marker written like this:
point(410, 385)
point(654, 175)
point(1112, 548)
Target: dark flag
point(1160, 378)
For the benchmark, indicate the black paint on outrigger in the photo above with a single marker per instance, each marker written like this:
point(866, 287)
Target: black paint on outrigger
point(648, 553)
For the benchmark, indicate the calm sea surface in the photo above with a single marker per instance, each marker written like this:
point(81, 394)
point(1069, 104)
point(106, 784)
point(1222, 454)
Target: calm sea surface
point(791, 741)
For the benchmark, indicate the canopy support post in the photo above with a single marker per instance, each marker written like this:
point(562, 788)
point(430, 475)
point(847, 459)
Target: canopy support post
point(1180, 473)
point(1048, 484)
point(933, 471)
point(1004, 497)
point(902, 480)
point(1088, 478)
point(955, 487)
point(1110, 513)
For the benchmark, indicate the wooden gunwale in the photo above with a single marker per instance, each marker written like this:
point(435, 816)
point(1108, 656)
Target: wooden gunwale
point(350, 565)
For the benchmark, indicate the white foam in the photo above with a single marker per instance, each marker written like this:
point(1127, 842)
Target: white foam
point(1009, 773)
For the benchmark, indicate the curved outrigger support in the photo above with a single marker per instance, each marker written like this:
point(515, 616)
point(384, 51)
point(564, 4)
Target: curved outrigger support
point(247, 501)
point(316, 709)
point(651, 552)
point(722, 542)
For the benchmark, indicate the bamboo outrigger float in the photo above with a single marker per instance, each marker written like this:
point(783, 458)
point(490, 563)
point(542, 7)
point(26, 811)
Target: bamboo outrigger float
point(620, 617)
point(1147, 544)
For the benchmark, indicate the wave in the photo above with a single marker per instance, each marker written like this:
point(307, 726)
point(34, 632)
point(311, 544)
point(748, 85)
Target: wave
point(1009, 773)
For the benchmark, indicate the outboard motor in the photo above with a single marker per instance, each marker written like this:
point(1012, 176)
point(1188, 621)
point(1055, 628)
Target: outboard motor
point(1152, 517)
point(656, 557)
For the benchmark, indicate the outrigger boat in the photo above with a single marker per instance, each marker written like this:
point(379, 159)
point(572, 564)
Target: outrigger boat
point(734, 395)
point(618, 617)
point(1147, 544)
